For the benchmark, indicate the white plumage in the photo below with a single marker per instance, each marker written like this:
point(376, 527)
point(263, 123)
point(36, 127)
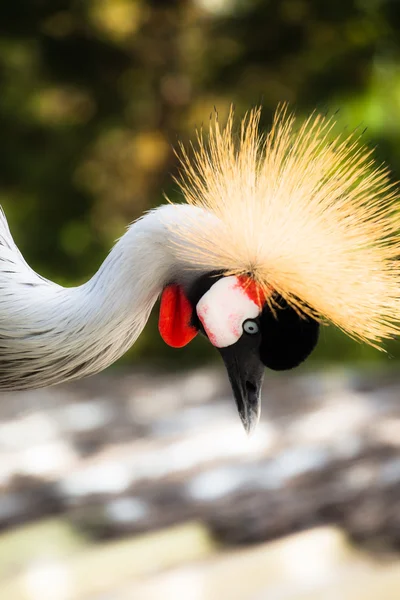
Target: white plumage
point(50, 334)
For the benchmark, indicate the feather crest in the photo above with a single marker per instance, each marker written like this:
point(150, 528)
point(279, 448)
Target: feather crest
point(305, 213)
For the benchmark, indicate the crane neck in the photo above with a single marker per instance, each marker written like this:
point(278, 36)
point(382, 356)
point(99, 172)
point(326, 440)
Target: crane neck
point(116, 302)
point(50, 334)
point(135, 271)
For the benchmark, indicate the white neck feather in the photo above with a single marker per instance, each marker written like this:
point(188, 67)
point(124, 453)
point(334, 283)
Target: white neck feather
point(50, 334)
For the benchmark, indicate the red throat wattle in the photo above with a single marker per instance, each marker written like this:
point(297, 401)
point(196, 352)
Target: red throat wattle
point(175, 316)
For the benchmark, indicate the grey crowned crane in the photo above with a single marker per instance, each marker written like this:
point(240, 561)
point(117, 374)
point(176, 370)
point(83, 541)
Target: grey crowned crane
point(279, 233)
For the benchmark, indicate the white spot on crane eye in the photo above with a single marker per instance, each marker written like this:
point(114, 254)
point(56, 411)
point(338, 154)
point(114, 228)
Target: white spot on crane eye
point(223, 310)
point(250, 327)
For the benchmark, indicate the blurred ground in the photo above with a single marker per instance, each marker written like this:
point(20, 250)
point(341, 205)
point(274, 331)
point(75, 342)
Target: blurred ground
point(144, 486)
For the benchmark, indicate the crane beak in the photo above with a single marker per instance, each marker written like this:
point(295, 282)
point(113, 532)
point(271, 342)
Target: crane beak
point(246, 374)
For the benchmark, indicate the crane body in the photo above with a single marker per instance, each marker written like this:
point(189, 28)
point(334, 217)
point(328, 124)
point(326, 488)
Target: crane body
point(279, 233)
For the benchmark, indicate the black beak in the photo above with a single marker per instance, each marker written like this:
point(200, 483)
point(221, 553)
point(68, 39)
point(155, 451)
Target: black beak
point(246, 374)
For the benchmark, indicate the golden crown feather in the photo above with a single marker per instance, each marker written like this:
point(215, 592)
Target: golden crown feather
point(305, 212)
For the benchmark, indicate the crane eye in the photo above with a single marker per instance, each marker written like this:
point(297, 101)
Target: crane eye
point(250, 327)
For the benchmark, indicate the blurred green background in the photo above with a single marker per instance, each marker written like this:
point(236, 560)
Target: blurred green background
point(96, 93)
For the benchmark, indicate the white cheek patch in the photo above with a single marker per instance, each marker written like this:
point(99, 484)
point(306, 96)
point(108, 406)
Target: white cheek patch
point(223, 309)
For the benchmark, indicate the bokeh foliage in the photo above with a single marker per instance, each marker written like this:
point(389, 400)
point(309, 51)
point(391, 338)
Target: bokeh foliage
point(95, 93)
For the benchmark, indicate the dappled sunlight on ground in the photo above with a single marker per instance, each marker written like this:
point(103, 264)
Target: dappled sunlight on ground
point(146, 487)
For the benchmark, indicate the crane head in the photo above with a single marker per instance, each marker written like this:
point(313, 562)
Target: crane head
point(235, 314)
point(291, 227)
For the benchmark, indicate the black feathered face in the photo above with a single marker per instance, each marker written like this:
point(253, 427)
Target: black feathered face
point(249, 336)
point(287, 339)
